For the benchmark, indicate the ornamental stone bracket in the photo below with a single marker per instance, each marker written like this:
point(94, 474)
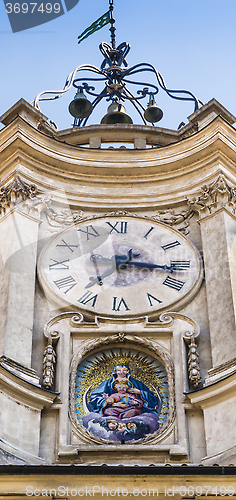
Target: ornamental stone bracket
point(214, 197)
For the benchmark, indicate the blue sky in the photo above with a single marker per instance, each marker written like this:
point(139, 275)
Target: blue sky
point(191, 43)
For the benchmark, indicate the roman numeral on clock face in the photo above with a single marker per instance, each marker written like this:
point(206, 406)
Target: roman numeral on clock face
point(59, 264)
point(68, 283)
point(147, 234)
point(118, 227)
point(90, 231)
point(173, 283)
point(171, 245)
point(116, 307)
point(151, 298)
point(67, 245)
point(87, 297)
point(180, 264)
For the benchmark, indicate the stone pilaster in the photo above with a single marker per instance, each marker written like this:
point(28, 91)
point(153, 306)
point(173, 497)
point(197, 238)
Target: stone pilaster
point(216, 208)
point(18, 250)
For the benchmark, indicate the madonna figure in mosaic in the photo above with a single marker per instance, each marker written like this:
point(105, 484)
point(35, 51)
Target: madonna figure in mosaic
point(121, 407)
point(101, 399)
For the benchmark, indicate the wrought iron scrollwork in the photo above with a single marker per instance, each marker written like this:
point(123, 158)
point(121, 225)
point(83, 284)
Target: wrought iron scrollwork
point(115, 73)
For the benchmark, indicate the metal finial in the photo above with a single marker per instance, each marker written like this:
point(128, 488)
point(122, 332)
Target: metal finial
point(112, 28)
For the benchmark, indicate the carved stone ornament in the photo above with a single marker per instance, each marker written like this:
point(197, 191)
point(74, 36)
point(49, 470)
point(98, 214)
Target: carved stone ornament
point(67, 217)
point(99, 347)
point(49, 330)
point(194, 372)
point(180, 220)
point(28, 200)
point(214, 197)
point(49, 360)
point(193, 365)
point(63, 218)
point(15, 193)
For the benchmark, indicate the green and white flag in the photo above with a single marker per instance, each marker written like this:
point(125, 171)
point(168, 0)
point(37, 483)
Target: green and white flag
point(97, 25)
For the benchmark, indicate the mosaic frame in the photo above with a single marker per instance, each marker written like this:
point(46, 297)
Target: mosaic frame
point(147, 347)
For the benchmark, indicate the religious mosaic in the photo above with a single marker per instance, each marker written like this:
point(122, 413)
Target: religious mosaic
point(121, 394)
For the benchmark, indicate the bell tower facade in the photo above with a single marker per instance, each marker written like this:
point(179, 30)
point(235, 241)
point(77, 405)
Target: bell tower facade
point(118, 292)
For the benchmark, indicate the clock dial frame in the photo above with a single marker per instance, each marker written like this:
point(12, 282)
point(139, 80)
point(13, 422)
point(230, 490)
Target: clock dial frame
point(115, 267)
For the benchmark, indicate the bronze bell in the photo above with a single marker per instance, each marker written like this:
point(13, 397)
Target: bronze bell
point(153, 113)
point(80, 107)
point(116, 114)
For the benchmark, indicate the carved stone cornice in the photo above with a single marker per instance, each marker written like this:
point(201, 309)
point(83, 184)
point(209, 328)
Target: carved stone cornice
point(214, 197)
point(24, 392)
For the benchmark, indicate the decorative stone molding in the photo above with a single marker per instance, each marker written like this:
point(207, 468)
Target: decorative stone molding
point(49, 360)
point(28, 374)
point(214, 197)
point(36, 205)
point(119, 337)
point(180, 219)
point(15, 193)
point(9, 459)
point(220, 372)
point(28, 200)
point(64, 218)
point(76, 319)
point(49, 332)
point(24, 392)
point(166, 319)
point(169, 217)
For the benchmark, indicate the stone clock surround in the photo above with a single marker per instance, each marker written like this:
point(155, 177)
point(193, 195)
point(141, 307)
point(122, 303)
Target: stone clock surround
point(165, 182)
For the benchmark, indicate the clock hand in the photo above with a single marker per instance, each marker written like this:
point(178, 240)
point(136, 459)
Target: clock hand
point(98, 279)
point(95, 258)
point(122, 261)
point(117, 262)
point(148, 265)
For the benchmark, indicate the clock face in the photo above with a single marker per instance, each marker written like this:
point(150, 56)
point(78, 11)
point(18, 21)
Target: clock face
point(115, 266)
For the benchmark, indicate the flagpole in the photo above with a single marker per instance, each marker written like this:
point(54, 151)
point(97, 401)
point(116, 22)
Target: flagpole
point(112, 28)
